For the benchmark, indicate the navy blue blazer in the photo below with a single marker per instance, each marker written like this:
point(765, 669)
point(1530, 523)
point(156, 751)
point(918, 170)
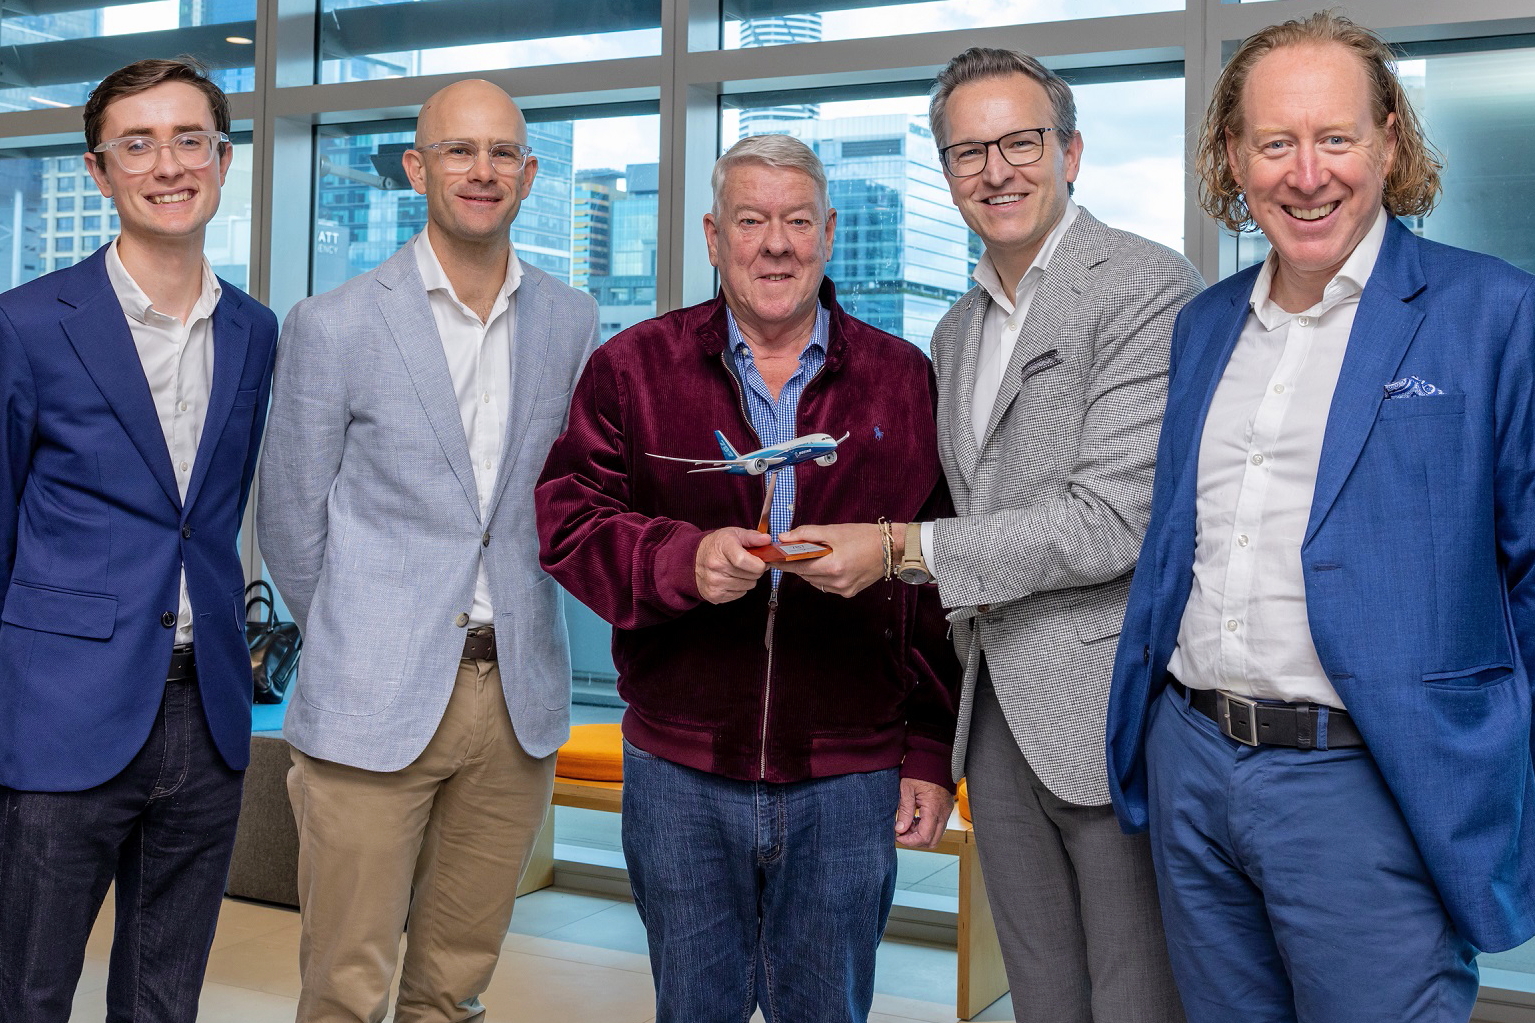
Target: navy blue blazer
point(1419, 561)
point(93, 532)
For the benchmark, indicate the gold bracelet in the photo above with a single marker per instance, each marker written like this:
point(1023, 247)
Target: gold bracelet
point(889, 544)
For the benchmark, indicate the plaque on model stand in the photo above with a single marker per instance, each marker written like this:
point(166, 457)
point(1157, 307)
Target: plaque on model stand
point(782, 551)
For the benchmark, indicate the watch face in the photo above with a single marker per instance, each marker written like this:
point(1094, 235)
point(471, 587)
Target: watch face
point(914, 574)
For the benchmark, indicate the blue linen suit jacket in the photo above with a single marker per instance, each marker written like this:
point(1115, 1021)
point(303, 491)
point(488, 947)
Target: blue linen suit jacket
point(93, 531)
point(1419, 561)
point(369, 515)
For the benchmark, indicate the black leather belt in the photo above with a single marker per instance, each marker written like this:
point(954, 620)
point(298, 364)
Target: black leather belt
point(1270, 722)
point(183, 664)
point(480, 644)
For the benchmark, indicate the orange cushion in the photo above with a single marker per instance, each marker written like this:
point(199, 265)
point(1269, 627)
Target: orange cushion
point(593, 753)
point(963, 800)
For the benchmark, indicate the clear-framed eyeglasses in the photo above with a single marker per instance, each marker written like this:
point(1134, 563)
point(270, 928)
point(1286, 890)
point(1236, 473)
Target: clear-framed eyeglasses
point(137, 154)
point(456, 157)
point(1019, 148)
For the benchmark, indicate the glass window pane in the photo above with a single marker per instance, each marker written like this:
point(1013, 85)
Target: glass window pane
point(776, 22)
point(902, 255)
point(360, 39)
point(28, 235)
point(62, 55)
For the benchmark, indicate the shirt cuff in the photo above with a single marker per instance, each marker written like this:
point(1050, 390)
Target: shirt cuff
point(927, 546)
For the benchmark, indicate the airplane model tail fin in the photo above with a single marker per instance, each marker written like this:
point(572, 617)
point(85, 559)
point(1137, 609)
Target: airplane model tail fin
point(725, 448)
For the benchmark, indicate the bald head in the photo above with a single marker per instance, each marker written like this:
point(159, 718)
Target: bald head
point(470, 109)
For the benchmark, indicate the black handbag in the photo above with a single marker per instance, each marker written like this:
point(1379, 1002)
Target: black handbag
point(274, 644)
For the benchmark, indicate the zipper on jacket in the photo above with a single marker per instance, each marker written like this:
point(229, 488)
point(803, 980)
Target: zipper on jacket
point(767, 682)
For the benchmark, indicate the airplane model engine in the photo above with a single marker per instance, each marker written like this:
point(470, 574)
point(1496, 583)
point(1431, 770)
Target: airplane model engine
point(757, 466)
point(827, 459)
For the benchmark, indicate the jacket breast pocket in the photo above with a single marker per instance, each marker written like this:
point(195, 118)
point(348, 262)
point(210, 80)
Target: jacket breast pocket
point(247, 398)
point(65, 612)
point(1424, 405)
point(555, 405)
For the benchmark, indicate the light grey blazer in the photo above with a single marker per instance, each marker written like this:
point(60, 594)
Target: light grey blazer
point(1053, 502)
point(369, 518)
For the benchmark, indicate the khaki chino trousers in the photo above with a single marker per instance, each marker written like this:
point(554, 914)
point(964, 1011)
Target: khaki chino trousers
point(435, 850)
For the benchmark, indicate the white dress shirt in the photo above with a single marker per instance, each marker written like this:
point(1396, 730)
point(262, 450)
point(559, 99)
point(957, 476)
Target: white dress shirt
point(479, 355)
point(178, 365)
point(1245, 628)
point(1002, 322)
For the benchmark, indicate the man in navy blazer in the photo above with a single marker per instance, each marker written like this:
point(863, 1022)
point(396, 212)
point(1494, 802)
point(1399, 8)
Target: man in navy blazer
point(1321, 702)
point(134, 387)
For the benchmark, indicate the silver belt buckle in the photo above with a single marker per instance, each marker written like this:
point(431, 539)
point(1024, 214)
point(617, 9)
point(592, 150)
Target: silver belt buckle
point(1224, 700)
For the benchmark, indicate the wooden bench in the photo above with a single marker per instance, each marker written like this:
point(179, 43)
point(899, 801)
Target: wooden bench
point(981, 979)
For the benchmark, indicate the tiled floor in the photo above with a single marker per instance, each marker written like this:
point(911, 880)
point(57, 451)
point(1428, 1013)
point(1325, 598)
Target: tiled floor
point(569, 958)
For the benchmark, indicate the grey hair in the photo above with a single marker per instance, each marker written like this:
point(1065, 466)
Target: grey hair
point(981, 62)
point(773, 151)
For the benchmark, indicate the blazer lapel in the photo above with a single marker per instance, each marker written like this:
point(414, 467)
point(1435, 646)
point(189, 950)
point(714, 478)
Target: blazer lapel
point(1060, 288)
point(404, 308)
point(1384, 327)
point(967, 450)
point(530, 347)
point(98, 331)
point(231, 338)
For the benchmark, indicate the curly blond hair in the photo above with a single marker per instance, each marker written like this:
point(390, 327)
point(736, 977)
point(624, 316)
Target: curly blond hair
point(1412, 184)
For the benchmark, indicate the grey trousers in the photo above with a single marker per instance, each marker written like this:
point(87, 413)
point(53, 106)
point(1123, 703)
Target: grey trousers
point(1074, 898)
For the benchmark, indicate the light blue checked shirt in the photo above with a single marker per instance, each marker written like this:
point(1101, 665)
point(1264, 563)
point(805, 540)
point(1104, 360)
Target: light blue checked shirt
point(775, 421)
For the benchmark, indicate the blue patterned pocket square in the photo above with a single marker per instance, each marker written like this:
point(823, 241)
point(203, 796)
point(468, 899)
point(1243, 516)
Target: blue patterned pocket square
point(1411, 387)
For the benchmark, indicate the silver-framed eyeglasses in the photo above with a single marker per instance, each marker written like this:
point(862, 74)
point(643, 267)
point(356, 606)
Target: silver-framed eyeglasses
point(1019, 148)
point(136, 154)
point(505, 157)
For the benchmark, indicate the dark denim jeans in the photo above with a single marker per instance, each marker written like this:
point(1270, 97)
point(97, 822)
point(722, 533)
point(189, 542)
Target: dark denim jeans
point(163, 829)
point(755, 893)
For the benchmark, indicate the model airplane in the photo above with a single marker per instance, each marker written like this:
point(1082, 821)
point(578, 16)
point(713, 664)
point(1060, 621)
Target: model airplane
point(819, 447)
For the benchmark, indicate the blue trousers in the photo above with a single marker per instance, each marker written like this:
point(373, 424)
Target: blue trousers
point(164, 829)
point(1292, 891)
point(755, 893)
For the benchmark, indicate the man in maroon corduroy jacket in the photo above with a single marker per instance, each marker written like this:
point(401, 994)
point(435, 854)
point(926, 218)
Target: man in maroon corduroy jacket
point(779, 740)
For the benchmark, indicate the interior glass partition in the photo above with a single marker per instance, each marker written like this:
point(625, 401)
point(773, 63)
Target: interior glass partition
point(58, 51)
point(362, 41)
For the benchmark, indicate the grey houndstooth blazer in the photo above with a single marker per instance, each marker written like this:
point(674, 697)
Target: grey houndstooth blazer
point(369, 516)
point(1053, 502)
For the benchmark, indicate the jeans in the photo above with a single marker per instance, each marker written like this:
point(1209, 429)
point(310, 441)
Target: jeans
point(164, 829)
point(754, 893)
point(1292, 891)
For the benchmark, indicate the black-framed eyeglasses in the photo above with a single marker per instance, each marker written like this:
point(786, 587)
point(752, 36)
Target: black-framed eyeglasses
point(1019, 148)
point(505, 157)
point(137, 154)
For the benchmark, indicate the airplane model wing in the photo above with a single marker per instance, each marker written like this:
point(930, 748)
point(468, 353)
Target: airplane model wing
point(751, 466)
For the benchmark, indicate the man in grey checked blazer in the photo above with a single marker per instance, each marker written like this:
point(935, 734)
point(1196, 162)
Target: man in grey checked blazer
point(417, 404)
point(1051, 385)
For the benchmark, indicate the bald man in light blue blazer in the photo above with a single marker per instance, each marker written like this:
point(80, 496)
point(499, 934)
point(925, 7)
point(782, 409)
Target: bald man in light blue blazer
point(413, 409)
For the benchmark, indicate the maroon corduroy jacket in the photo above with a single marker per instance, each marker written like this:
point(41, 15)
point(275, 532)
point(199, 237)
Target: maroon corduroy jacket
point(848, 685)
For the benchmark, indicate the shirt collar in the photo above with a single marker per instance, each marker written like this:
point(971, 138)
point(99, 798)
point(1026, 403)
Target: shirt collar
point(1349, 281)
point(436, 278)
point(986, 271)
point(818, 333)
point(137, 305)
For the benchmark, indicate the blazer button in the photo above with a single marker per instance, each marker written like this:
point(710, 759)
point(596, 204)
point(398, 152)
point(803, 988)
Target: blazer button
point(1146, 654)
point(168, 619)
point(462, 619)
point(981, 609)
point(485, 540)
point(186, 532)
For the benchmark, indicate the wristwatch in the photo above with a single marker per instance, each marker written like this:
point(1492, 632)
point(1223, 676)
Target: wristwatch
point(913, 569)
